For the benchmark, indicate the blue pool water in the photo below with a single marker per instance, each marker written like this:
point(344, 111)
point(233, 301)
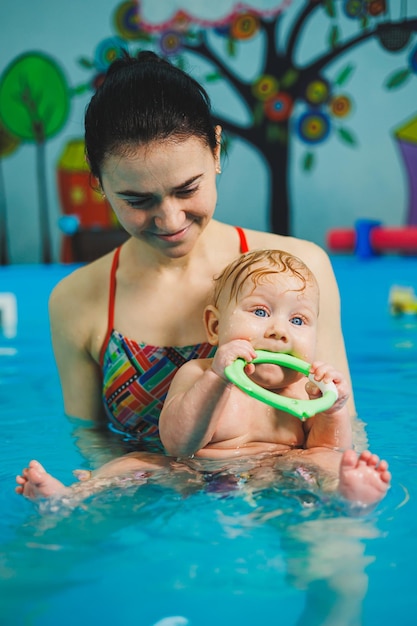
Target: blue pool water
point(151, 556)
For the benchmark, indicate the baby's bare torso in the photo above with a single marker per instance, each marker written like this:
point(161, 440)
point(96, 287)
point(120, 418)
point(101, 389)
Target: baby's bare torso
point(249, 426)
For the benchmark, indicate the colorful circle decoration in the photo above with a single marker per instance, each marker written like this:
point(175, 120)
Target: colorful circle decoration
point(265, 87)
point(354, 8)
point(376, 7)
point(170, 43)
point(317, 92)
point(108, 51)
point(127, 20)
point(313, 127)
point(279, 107)
point(340, 106)
point(244, 26)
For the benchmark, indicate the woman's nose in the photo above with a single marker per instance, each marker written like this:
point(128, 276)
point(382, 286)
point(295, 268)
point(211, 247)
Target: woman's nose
point(168, 217)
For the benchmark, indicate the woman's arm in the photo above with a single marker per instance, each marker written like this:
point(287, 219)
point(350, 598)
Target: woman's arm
point(330, 340)
point(79, 373)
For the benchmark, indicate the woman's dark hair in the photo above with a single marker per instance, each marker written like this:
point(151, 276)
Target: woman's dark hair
point(144, 99)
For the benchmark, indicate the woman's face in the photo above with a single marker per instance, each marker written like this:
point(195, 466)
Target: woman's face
point(163, 193)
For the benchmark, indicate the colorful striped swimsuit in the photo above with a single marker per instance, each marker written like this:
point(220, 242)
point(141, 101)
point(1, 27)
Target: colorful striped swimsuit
point(136, 376)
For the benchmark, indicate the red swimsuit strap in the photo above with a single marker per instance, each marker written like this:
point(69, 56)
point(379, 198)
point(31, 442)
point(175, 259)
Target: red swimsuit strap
point(243, 241)
point(112, 291)
point(112, 296)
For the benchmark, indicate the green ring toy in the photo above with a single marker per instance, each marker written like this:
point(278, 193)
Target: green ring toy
point(300, 408)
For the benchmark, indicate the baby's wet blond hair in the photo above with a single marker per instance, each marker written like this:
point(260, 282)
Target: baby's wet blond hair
point(256, 266)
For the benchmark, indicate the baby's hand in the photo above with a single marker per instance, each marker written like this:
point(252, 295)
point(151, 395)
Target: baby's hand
point(325, 373)
point(229, 352)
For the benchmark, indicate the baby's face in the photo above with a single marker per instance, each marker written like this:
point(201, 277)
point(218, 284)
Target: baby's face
point(276, 315)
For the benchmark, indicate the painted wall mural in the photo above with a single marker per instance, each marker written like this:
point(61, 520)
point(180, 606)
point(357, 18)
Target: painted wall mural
point(34, 106)
point(283, 82)
point(406, 136)
point(8, 144)
point(287, 99)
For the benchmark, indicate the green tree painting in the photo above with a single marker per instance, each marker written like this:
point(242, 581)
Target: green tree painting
point(34, 106)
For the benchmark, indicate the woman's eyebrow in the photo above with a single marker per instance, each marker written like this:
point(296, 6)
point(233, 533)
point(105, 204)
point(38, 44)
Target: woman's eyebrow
point(146, 194)
point(188, 182)
point(134, 194)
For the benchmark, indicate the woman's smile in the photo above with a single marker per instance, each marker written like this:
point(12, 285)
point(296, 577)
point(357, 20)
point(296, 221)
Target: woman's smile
point(173, 237)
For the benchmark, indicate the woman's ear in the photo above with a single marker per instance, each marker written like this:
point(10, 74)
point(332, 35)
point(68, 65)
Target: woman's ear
point(218, 148)
point(211, 323)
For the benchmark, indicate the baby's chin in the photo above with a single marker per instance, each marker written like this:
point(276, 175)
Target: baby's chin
point(272, 377)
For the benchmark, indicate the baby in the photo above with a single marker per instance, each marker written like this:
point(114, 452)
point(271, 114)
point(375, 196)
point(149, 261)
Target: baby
point(268, 300)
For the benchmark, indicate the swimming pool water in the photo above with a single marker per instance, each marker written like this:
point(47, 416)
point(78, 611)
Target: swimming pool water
point(148, 554)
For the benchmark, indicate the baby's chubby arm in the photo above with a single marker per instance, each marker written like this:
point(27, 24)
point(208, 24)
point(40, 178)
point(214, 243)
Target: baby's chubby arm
point(197, 399)
point(333, 427)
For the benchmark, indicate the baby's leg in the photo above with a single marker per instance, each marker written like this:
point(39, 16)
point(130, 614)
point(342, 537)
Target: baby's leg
point(35, 482)
point(127, 464)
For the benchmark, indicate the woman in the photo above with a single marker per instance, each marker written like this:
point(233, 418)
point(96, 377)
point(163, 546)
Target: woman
point(122, 325)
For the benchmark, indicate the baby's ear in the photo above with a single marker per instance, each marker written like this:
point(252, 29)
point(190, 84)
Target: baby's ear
point(211, 323)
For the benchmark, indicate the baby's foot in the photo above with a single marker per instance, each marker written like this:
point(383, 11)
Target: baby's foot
point(363, 479)
point(35, 482)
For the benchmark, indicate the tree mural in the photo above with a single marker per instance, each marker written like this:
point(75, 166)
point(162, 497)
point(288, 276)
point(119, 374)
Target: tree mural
point(34, 106)
point(8, 144)
point(283, 83)
point(286, 100)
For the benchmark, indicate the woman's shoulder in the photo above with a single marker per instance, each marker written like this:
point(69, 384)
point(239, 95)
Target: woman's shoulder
point(306, 250)
point(85, 285)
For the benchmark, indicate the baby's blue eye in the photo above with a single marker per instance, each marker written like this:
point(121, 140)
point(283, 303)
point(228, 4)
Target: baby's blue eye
point(261, 313)
point(297, 321)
